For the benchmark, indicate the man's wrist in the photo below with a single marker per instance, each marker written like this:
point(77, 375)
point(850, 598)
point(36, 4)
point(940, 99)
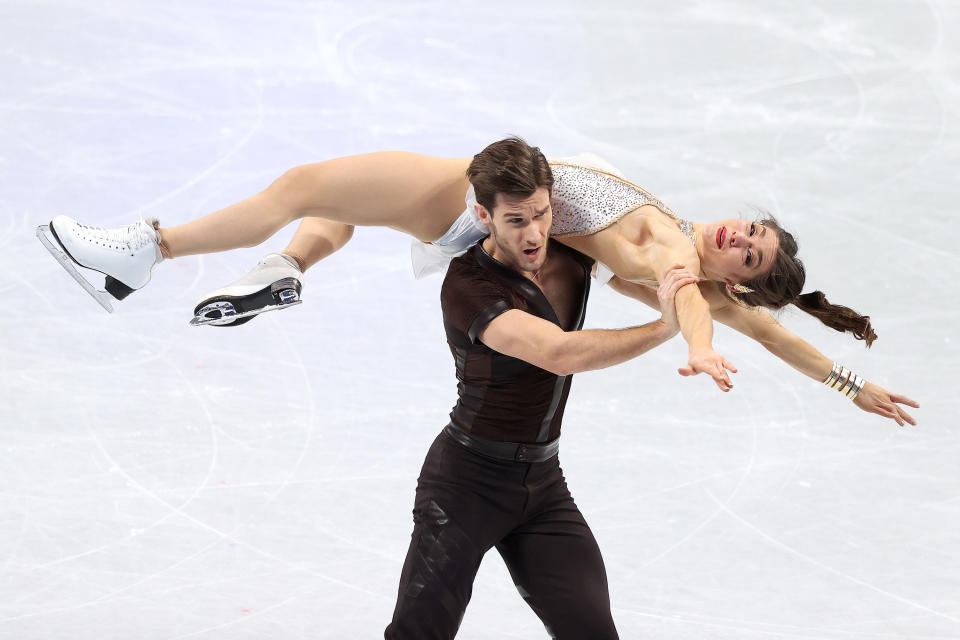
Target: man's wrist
point(664, 329)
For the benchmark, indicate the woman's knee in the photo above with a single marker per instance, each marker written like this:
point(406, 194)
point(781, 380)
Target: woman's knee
point(295, 192)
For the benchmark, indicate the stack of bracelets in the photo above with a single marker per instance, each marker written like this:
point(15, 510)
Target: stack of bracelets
point(845, 381)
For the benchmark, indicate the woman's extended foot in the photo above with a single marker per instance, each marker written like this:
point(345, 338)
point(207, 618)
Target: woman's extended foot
point(125, 255)
point(274, 283)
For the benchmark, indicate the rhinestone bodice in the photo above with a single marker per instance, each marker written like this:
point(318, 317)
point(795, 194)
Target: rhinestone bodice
point(586, 200)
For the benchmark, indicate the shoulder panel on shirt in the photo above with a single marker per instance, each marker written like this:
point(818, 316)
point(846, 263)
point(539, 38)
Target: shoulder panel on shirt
point(471, 297)
point(485, 317)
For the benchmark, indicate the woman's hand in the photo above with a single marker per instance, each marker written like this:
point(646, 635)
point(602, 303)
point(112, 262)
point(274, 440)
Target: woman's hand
point(875, 399)
point(705, 360)
point(712, 363)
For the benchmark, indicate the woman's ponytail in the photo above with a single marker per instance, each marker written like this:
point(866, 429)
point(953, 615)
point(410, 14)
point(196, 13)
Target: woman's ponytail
point(837, 316)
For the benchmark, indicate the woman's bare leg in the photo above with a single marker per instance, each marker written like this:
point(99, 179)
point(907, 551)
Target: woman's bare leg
point(244, 224)
point(416, 194)
point(316, 239)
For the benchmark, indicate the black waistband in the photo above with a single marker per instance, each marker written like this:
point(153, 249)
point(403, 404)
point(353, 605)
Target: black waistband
point(512, 451)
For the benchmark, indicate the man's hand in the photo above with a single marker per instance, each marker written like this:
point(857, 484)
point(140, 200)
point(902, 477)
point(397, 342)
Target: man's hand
point(670, 282)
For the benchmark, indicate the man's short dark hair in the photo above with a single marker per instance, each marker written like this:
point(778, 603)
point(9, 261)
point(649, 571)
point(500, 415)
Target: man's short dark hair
point(510, 167)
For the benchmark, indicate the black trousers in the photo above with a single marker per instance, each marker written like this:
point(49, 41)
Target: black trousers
point(467, 503)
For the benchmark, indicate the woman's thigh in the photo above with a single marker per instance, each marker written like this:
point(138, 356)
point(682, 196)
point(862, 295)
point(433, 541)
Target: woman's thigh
point(413, 193)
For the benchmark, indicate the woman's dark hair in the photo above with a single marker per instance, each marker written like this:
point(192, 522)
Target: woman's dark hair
point(510, 167)
point(782, 284)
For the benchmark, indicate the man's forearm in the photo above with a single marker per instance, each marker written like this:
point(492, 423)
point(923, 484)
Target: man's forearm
point(600, 348)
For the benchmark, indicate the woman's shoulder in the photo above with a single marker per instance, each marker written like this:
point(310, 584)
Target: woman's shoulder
point(667, 232)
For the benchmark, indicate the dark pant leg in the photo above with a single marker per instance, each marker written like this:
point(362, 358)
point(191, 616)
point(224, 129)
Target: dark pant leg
point(556, 565)
point(462, 508)
point(437, 576)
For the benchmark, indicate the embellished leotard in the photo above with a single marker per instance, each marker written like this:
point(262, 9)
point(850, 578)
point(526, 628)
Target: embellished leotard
point(588, 196)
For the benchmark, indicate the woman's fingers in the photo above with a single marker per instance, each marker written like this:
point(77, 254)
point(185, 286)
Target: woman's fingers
point(896, 397)
point(721, 378)
point(906, 416)
point(890, 411)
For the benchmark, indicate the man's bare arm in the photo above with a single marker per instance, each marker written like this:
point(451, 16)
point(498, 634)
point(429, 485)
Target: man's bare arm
point(543, 344)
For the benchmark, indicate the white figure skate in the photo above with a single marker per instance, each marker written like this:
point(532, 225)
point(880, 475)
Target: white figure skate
point(125, 255)
point(273, 284)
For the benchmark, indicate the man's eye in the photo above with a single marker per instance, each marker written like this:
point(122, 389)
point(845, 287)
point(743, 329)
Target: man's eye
point(749, 258)
point(753, 228)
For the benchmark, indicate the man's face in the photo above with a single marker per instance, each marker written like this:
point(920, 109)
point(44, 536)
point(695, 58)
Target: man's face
point(519, 229)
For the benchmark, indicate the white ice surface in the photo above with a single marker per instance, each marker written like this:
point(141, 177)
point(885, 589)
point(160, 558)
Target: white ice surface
point(161, 482)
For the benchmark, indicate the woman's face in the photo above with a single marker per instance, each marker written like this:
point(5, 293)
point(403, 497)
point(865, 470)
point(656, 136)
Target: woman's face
point(737, 250)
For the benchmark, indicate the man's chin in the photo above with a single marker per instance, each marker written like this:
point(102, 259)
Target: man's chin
point(527, 261)
point(530, 262)
point(532, 259)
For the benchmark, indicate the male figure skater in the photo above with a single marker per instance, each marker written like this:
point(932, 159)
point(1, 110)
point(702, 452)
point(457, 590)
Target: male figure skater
point(513, 307)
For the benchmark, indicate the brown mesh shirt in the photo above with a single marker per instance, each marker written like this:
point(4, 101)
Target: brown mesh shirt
point(500, 397)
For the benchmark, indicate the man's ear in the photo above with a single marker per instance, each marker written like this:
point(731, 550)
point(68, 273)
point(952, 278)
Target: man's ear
point(484, 216)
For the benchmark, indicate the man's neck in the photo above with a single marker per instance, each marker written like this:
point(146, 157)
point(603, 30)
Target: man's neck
point(490, 246)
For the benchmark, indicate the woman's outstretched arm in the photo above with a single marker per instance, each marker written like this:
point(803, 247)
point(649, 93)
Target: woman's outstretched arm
point(696, 326)
point(758, 324)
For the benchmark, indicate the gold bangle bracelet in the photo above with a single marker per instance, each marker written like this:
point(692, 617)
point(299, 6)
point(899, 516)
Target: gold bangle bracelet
point(845, 381)
point(849, 384)
point(832, 376)
point(842, 380)
point(857, 388)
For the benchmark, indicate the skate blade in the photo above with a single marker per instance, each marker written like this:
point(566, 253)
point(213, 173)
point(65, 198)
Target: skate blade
point(45, 237)
point(228, 315)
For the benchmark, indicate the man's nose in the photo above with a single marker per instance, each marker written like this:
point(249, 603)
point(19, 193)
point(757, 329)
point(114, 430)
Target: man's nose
point(737, 240)
point(534, 234)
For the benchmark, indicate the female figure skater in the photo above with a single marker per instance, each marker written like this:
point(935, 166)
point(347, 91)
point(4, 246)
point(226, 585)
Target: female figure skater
point(745, 265)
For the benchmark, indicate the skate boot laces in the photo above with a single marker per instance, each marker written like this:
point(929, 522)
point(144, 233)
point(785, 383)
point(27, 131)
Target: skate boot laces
point(132, 237)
